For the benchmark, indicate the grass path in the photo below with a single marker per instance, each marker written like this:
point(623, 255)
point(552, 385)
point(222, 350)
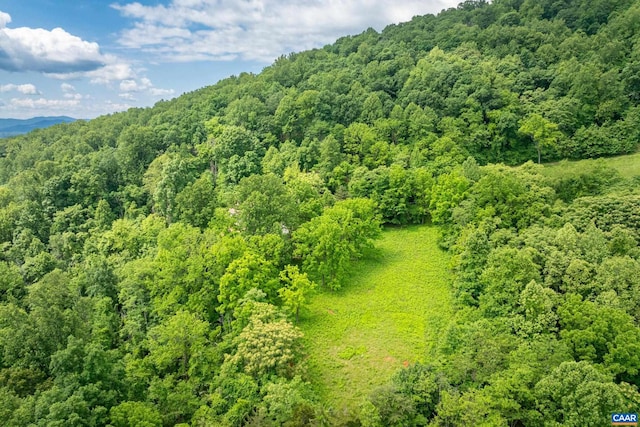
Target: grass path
point(386, 316)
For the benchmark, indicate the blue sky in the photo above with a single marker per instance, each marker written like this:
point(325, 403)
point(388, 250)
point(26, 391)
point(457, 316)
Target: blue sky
point(84, 58)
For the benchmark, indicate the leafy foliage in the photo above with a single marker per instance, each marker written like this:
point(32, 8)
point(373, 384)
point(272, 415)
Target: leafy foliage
point(148, 258)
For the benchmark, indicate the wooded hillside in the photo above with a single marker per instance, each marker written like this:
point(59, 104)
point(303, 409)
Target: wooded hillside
point(154, 263)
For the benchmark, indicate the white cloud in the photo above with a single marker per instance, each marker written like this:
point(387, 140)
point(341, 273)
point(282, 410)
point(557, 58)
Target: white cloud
point(161, 92)
point(131, 85)
point(5, 18)
point(26, 89)
point(115, 106)
point(67, 88)
point(42, 103)
point(76, 107)
point(37, 49)
point(57, 54)
point(144, 84)
point(112, 72)
point(128, 85)
point(261, 30)
point(69, 92)
point(76, 96)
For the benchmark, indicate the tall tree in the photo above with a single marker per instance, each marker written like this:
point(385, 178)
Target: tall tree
point(543, 133)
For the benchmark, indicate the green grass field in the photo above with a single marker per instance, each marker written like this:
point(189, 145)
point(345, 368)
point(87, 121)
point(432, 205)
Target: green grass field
point(387, 316)
point(628, 165)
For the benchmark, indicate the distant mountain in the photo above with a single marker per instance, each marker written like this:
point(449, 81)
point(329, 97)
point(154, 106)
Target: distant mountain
point(12, 127)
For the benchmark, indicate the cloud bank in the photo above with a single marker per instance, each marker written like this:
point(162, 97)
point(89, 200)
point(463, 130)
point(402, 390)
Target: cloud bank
point(25, 89)
point(40, 50)
point(259, 30)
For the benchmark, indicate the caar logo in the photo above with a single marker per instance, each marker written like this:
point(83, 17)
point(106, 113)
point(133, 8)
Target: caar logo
point(627, 419)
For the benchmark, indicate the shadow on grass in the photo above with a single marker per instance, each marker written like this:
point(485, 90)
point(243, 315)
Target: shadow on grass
point(375, 254)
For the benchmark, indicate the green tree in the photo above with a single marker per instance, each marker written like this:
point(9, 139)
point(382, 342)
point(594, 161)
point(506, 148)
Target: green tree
point(176, 173)
point(577, 394)
point(243, 274)
point(12, 287)
point(264, 205)
point(543, 133)
point(268, 344)
point(358, 140)
point(196, 203)
point(450, 189)
point(285, 403)
point(180, 345)
point(235, 151)
point(330, 155)
point(308, 193)
point(137, 147)
point(329, 242)
point(296, 291)
point(135, 414)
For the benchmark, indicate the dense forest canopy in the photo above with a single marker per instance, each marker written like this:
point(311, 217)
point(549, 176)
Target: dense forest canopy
point(154, 263)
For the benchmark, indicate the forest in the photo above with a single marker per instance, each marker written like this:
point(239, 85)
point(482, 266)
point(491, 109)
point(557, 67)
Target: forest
point(155, 264)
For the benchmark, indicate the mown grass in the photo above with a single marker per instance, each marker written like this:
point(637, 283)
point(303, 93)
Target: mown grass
point(387, 316)
point(627, 165)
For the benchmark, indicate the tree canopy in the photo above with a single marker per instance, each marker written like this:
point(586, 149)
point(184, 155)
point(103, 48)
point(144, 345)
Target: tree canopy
point(155, 263)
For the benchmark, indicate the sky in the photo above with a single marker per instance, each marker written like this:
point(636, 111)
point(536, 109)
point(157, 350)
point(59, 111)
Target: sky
point(85, 58)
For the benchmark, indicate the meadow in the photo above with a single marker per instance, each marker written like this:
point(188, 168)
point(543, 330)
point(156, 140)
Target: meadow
point(387, 316)
point(627, 165)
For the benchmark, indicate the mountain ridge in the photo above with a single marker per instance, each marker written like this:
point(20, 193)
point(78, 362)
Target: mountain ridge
point(13, 127)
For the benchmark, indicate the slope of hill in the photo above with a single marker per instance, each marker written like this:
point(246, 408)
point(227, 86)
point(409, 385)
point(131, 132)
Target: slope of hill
point(13, 127)
point(152, 262)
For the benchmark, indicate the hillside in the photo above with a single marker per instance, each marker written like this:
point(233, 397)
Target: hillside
point(154, 263)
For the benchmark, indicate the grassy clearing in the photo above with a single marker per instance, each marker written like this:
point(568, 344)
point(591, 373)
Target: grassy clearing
point(386, 317)
point(628, 165)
